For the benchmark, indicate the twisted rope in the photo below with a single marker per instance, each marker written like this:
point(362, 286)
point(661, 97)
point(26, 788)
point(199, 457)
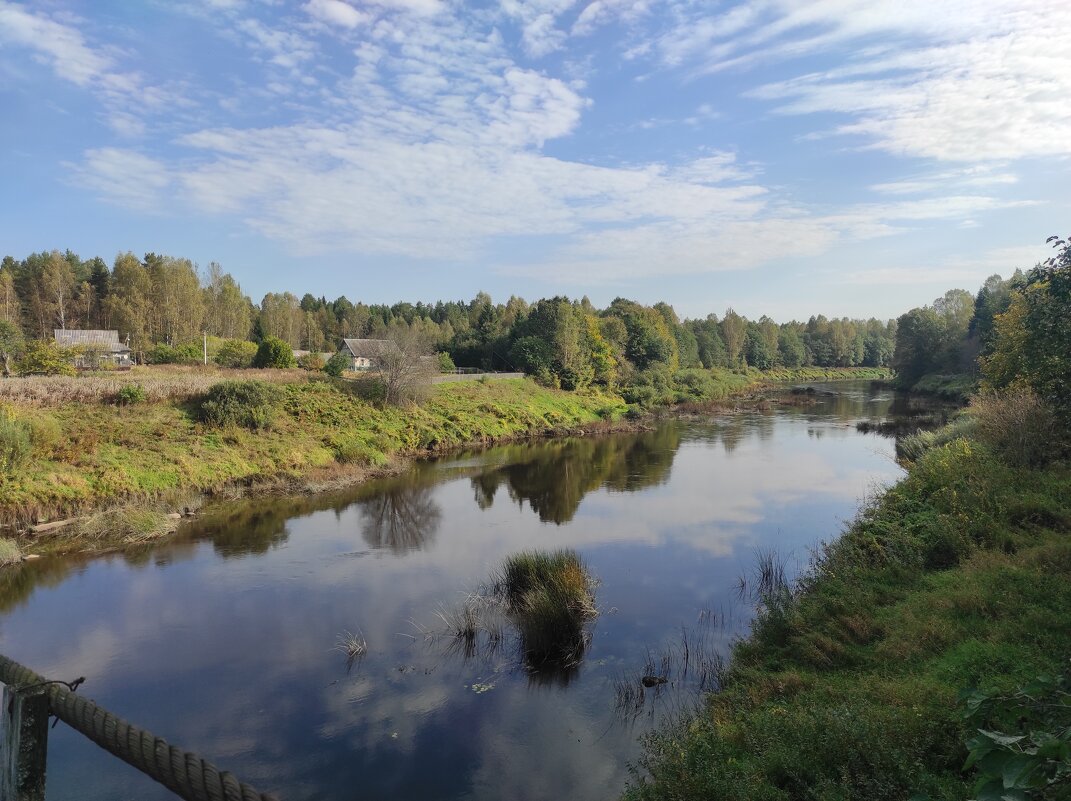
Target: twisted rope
point(185, 774)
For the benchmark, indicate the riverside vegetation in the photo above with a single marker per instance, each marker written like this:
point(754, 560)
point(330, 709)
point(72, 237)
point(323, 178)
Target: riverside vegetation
point(133, 450)
point(925, 653)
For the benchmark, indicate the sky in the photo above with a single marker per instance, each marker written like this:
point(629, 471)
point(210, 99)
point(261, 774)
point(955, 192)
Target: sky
point(783, 157)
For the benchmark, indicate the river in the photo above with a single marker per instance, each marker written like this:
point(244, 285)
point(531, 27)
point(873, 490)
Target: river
point(222, 638)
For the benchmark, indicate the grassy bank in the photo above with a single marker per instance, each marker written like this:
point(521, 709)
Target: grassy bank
point(85, 455)
point(956, 387)
point(957, 577)
point(89, 451)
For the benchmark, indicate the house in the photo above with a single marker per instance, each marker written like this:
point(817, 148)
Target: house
point(366, 354)
point(104, 345)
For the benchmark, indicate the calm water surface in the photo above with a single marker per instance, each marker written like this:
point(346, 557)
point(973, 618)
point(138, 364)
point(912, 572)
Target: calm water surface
point(221, 640)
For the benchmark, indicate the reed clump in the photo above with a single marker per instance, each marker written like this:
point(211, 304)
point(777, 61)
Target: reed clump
point(9, 552)
point(549, 596)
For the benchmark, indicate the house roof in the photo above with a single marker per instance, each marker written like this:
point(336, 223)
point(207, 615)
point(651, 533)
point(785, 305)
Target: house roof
point(68, 338)
point(368, 348)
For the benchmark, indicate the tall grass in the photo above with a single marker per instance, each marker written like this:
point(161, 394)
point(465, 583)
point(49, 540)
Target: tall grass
point(9, 552)
point(171, 383)
point(550, 596)
point(1017, 424)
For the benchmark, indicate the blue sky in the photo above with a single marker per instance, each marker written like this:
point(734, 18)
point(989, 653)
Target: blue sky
point(788, 157)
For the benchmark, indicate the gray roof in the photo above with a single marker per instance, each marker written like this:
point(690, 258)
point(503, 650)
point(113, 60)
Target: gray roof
point(368, 348)
point(68, 338)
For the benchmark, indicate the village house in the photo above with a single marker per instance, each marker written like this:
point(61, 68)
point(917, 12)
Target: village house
point(366, 354)
point(94, 348)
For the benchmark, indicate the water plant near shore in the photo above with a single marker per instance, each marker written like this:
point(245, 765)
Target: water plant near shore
point(549, 596)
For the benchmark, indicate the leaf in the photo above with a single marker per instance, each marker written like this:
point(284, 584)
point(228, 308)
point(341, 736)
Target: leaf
point(1019, 772)
point(1000, 738)
point(992, 790)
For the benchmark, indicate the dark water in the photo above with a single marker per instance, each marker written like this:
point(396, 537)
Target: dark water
point(221, 640)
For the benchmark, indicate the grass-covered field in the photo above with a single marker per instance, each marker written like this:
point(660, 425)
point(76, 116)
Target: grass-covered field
point(957, 577)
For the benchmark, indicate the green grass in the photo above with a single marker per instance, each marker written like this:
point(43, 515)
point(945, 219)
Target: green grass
point(959, 576)
point(94, 455)
point(550, 596)
point(956, 387)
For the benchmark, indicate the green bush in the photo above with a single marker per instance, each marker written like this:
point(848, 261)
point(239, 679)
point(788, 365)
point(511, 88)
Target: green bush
point(337, 364)
point(187, 353)
point(274, 353)
point(45, 357)
point(130, 394)
point(246, 404)
point(236, 353)
point(446, 364)
point(312, 362)
point(15, 444)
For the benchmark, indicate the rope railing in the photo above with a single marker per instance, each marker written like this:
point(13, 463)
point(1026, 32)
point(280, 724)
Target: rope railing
point(185, 774)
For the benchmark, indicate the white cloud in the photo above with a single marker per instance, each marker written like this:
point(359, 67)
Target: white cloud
point(335, 12)
point(955, 81)
point(61, 46)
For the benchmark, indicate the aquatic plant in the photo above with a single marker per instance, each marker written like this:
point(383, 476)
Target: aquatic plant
point(549, 596)
point(354, 646)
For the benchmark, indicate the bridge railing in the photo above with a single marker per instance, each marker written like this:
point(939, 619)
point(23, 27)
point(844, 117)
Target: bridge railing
point(30, 698)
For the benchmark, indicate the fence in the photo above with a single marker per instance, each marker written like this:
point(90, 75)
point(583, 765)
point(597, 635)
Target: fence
point(30, 698)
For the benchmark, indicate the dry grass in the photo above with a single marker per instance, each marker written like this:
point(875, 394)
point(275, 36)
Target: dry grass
point(1018, 424)
point(9, 552)
point(170, 383)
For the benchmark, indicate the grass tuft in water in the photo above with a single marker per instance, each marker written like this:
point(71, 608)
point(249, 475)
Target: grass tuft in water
point(354, 646)
point(550, 596)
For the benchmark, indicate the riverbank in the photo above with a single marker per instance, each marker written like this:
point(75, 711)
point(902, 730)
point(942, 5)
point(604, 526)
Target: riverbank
point(957, 577)
point(129, 472)
point(957, 387)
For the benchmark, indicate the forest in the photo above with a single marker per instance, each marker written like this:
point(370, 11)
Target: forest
point(162, 305)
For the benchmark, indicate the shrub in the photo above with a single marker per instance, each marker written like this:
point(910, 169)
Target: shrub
point(236, 353)
point(446, 364)
point(247, 404)
point(312, 362)
point(1017, 424)
point(130, 394)
point(44, 357)
point(15, 444)
point(188, 353)
point(337, 364)
point(274, 353)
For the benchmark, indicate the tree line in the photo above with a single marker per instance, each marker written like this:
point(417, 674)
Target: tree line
point(1014, 332)
point(162, 305)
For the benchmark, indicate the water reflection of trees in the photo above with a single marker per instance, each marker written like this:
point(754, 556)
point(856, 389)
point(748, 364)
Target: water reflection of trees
point(400, 515)
point(554, 477)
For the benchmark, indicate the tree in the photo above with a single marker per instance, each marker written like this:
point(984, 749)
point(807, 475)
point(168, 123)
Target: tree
point(57, 282)
point(10, 344)
point(227, 310)
point(9, 300)
point(274, 353)
point(406, 365)
point(733, 331)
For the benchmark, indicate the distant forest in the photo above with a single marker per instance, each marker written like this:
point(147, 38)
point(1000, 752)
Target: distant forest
point(165, 301)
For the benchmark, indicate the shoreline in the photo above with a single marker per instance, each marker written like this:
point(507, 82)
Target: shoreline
point(121, 520)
